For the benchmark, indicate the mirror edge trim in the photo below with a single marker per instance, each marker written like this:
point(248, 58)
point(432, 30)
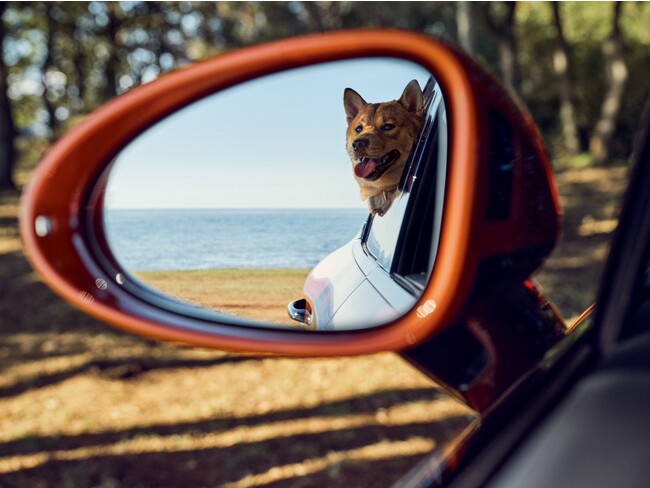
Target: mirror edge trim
point(78, 159)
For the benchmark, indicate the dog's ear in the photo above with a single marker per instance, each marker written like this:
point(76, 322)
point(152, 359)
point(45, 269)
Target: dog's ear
point(352, 102)
point(412, 98)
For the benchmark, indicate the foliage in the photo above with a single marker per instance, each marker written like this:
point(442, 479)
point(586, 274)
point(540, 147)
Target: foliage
point(67, 58)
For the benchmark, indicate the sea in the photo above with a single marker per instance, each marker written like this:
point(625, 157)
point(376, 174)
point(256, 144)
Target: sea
point(182, 239)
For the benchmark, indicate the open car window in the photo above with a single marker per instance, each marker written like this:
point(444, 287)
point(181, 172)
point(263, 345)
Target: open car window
point(404, 240)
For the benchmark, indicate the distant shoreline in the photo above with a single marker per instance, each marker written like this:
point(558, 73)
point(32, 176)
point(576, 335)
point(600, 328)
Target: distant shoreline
point(158, 239)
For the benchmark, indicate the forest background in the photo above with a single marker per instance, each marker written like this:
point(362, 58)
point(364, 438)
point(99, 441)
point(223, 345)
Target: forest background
point(589, 62)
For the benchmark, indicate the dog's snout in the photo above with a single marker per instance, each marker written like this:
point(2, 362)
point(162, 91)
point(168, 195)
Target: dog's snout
point(359, 144)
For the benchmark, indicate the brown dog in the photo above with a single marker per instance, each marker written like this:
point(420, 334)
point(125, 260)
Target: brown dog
point(380, 137)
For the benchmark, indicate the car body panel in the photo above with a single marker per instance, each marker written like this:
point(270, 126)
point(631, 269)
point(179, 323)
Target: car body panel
point(400, 300)
point(375, 308)
point(346, 278)
point(325, 299)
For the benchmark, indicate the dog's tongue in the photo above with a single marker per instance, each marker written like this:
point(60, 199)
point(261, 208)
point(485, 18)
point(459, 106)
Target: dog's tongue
point(364, 169)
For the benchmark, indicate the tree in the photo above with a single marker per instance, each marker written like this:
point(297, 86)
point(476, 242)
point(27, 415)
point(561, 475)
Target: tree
point(7, 126)
point(322, 16)
point(616, 77)
point(465, 17)
point(563, 65)
point(48, 66)
point(503, 26)
point(63, 59)
point(112, 30)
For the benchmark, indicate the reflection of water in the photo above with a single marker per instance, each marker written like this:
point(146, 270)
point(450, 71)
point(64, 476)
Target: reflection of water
point(203, 239)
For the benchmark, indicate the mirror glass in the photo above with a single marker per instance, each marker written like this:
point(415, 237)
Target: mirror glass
point(230, 204)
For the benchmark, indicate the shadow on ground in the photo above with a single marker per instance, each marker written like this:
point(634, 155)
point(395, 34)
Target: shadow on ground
point(46, 344)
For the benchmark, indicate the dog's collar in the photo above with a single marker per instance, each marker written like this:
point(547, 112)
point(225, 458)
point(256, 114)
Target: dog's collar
point(381, 202)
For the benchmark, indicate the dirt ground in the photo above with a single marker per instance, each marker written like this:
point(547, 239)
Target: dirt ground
point(230, 290)
point(591, 199)
point(84, 405)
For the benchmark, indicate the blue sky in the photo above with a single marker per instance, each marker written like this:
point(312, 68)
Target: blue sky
point(274, 142)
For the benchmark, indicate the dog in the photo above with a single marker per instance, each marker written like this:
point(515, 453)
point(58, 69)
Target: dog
point(380, 137)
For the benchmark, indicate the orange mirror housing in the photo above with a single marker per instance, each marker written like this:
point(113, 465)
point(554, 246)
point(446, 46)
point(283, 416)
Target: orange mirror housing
point(500, 216)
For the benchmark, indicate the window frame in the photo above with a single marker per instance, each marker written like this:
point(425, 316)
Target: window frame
point(427, 148)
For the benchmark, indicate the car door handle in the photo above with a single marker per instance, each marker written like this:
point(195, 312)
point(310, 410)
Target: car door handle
point(299, 310)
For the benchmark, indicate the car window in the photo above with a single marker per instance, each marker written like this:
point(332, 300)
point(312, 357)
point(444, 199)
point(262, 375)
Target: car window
point(419, 244)
point(384, 233)
point(401, 241)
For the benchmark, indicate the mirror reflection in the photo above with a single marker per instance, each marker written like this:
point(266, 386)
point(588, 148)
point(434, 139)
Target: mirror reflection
point(309, 198)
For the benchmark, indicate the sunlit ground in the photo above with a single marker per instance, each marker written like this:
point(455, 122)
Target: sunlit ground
point(259, 294)
point(144, 415)
point(83, 405)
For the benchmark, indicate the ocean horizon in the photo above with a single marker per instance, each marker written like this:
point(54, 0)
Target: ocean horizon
point(213, 238)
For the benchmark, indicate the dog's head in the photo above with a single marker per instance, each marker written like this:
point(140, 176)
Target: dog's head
point(380, 137)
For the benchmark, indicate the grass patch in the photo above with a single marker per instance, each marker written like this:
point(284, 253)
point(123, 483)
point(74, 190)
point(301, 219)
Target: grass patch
point(260, 294)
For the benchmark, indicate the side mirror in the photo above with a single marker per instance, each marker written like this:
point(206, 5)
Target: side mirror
point(489, 201)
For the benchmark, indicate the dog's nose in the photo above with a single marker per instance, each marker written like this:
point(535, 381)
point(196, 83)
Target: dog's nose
point(360, 143)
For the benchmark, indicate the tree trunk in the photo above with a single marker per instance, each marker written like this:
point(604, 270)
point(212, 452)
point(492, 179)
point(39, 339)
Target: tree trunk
point(79, 59)
point(465, 18)
point(616, 75)
point(7, 126)
point(314, 16)
point(48, 63)
point(563, 65)
point(508, 48)
point(505, 31)
point(112, 63)
point(323, 16)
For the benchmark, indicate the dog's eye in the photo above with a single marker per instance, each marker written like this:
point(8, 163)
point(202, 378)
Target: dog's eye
point(358, 128)
point(388, 127)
